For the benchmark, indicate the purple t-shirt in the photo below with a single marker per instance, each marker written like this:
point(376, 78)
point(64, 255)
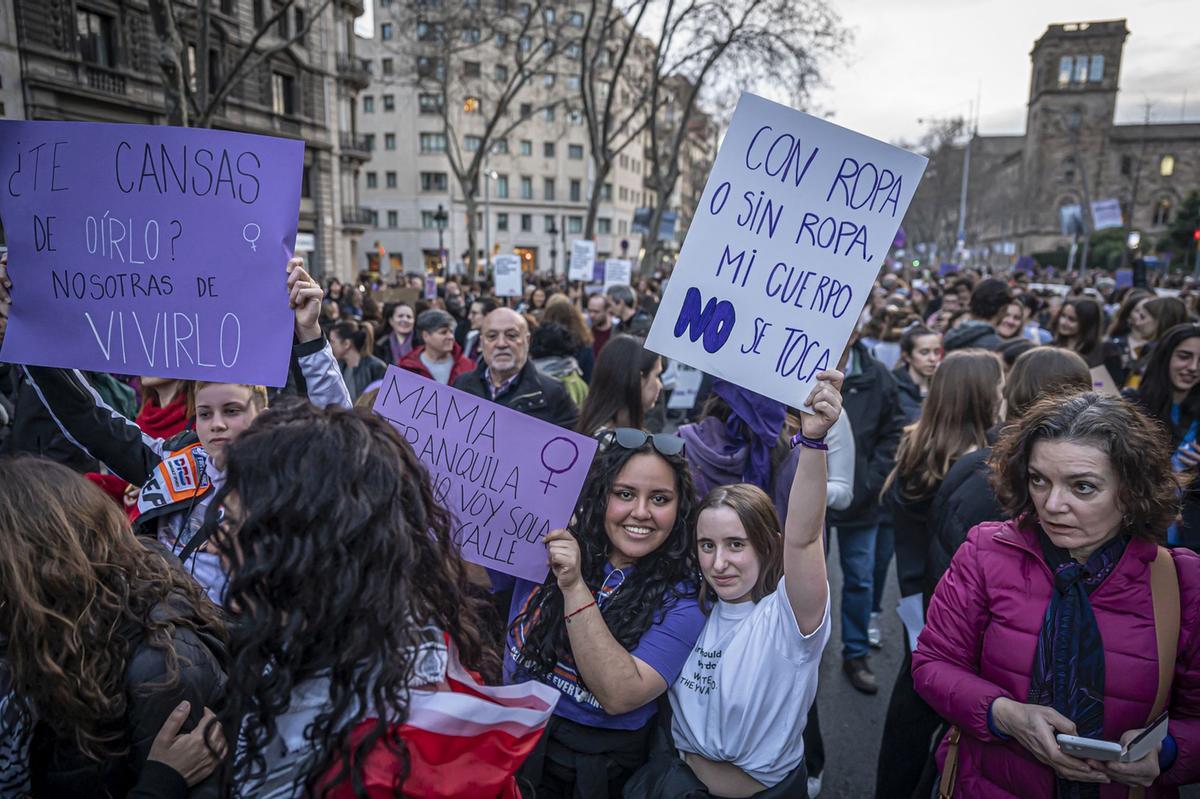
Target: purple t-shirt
point(665, 647)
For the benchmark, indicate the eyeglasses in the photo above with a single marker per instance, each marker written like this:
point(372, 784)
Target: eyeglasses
point(632, 438)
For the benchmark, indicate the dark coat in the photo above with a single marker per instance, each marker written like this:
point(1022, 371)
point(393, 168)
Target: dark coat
point(973, 334)
point(533, 393)
point(909, 394)
point(871, 401)
point(58, 768)
point(964, 500)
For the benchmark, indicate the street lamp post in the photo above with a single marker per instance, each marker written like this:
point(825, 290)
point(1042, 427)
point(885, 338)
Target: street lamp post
point(439, 218)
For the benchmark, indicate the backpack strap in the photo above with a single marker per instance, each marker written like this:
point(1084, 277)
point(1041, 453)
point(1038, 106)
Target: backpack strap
point(1164, 587)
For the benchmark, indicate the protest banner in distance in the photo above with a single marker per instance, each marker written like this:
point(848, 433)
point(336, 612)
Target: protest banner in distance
point(506, 269)
point(792, 228)
point(1106, 214)
point(583, 255)
point(507, 479)
point(150, 250)
point(617, 272)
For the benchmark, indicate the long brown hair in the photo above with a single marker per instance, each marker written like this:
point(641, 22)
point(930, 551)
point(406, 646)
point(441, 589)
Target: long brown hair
point(76, 589)
point(560, 311)
point(758, 517)
point(964, 396)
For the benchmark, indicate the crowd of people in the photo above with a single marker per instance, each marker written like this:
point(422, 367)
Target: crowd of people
point(215, 589)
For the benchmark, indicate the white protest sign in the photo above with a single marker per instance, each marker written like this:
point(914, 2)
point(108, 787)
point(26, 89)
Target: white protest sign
point(583, 257)
point(1106, 214)
point(792, 227)
point(507, 272)
point(687, 388)
point(617, 272)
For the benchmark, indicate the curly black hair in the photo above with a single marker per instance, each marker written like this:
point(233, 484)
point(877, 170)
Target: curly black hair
point(339, 556)
point(662, 577)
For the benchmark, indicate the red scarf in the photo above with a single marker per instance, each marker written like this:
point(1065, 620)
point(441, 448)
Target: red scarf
point(160, 422)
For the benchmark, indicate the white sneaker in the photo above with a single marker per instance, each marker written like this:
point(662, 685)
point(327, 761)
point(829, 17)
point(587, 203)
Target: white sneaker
point(814, 786)
point(874, 636)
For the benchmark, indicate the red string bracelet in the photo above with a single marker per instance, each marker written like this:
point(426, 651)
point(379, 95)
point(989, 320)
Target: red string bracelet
point(577, 611)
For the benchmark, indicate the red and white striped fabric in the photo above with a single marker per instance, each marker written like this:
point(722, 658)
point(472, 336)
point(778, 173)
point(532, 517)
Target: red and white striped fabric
point(468, 741)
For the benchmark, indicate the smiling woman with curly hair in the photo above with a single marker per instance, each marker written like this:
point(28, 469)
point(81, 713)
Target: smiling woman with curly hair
point(105, 638)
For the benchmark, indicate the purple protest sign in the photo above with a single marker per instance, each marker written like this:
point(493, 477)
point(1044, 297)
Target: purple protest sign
point(149, 250)
point(507, 479)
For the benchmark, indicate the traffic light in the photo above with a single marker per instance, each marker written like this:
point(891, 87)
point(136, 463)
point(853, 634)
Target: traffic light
point(1196, 235)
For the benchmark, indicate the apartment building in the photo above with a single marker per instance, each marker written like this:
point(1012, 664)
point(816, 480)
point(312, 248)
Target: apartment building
point(535, 183)
point(95, 60)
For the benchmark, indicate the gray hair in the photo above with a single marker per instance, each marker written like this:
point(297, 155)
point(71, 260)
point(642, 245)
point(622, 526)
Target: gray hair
point(622, 294)
point(434, 319)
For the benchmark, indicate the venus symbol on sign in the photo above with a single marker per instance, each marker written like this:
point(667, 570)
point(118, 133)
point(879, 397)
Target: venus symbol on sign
point(564, 455)
point(246, 235)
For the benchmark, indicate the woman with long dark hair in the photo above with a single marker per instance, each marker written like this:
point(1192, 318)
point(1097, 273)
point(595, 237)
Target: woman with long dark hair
point(1169, 395)
point(620, 396)
point(1149, 321)
point(352, 619)
point(101, 637)
point(560, 310)
point(352, 342)
point(613, 623)
point(1079, 327)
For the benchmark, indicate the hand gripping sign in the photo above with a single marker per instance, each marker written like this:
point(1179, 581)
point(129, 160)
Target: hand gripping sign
point(507, 479)
point(793, 225)
point(149, 250)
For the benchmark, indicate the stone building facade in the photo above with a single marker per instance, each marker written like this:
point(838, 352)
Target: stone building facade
point(1073, 152)
point(95, 60)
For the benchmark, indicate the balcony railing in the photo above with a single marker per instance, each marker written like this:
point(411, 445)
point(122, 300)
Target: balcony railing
point(355, 144)
point(105, 81)
point(357, 216)
point(354, 70)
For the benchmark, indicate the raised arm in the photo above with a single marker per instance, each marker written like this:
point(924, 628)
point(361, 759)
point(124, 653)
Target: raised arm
point(804, 547)
point(323, 382)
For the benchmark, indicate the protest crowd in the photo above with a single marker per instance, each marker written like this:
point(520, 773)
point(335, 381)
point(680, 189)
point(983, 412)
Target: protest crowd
point(215, 589)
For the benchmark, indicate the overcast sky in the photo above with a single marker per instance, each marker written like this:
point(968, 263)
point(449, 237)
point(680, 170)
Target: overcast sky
point(929, 58)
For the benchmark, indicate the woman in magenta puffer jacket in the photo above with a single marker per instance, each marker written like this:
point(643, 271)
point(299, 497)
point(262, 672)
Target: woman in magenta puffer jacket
point(1046, 624)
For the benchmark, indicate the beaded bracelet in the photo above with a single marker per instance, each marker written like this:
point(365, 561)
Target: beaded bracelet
point(801, 440)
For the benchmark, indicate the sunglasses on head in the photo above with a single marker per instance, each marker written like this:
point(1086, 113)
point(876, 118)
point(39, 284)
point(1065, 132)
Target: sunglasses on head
point(632, 438)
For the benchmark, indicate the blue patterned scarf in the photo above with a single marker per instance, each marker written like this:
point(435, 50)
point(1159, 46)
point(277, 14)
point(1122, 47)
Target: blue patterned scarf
point(1068, 666)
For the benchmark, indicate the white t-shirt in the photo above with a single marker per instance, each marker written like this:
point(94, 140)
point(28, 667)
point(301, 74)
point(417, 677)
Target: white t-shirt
point(744, 694)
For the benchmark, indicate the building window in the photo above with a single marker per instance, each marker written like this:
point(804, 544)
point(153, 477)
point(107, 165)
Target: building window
point(500, 146)
point(388, 66)
point(298, 16)
point(471, 69)
point(1162, 212)
point(283, 93)
point(501, 41)
point(526, 147)
point(622, 227)
point(606, 192)
point(472, 143)
point(502, 222)
point(548, 224)
point(526, 188)
point(389, 102)
point(573, 82)
point(526, 110)
point(429, 220)
point(393, 219)
point(502, 186)
point(501, 73)
point(434, 181)
point(1096, 69)
point(1064, 70)
point(95, 37)
point(548, 188)
point(1126, 165)
point(548, 15)
point(429, 103)
point(574, 224)
point(524, 44)
point(1166, 167)
point(575, 152)
point(576, 190)
point(573, 51)
point(432, 142)
point(431, 67)
point(368, 104)
point(548, 79)
point(575, 19)
point(471, 35)
point(526, 223)
point(389, 141)
point(372, 180)
point(387, 32)
point(1081, 69)
point(390, 179)
point(548, 149)
point(369, 140)
point(603, 225)
point(549, 113)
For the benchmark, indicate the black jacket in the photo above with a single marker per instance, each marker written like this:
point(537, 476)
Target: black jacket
point(980, 335)
point(909, 394)
point(58, 768)
point(871, 401)
point(533, 394)
point(964, 500)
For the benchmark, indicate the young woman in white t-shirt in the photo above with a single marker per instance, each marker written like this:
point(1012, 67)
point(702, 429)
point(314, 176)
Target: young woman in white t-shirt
point(740, 705)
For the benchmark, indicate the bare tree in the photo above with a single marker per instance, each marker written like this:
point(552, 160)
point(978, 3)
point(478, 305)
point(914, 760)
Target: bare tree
point(190, 99)
point(933, 212)
point(444, 48)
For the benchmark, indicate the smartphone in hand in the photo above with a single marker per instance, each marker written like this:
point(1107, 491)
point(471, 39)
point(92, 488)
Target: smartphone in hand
point(1098, 749)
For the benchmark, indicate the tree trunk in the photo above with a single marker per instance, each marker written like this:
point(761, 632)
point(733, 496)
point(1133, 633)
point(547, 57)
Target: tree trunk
point(472, 237)
point(170, 46)
point(589, 228)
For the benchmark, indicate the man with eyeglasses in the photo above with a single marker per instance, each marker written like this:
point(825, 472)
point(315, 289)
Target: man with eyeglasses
point(507, 377)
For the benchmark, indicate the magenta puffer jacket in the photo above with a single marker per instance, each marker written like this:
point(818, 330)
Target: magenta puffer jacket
point(980, 638)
